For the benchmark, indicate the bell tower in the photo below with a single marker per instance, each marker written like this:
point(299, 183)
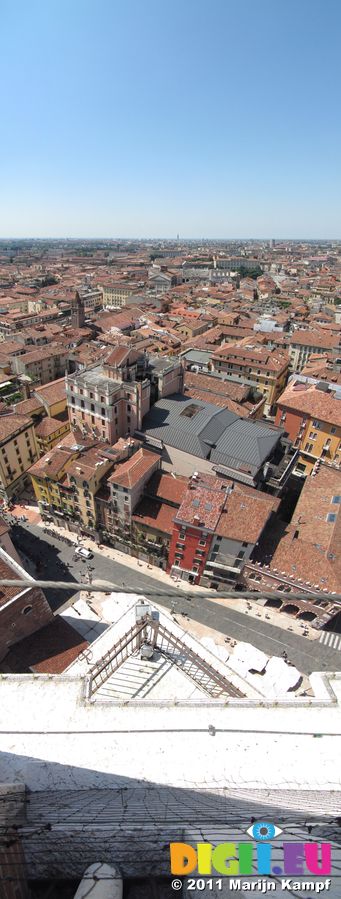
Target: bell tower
point(77, 311)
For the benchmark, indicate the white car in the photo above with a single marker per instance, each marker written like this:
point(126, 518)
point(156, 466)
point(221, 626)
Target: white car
point(83, 552)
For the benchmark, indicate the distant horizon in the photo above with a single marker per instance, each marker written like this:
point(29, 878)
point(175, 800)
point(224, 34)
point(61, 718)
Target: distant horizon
point(174, 239)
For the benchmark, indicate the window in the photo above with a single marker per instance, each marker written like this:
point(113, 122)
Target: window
point(316, 424)
point(26, 610)
point(128, 407)
point(312, 435)
point(103, 412)
point(177, 562)
point(202, 542)
point(300, 466)
point(182, 535)
point(73, 401)
point(91, 396)
point(195, 567)
point(333, 430)
point(92, 407)
point(331, 516)
point(126, 499)
point(241, 554)
point(308, 447)
point(245, 544)
point(128, 419)
point(336, 500)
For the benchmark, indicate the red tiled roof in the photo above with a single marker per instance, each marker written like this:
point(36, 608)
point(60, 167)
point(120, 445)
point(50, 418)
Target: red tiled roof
point(128, 473)
point(245, 514)
point(166, 487)
point(54, 392)
point(309, 400)
point(203, 503)
point(154, 514)
point(48, 651)
point(9, 424)
point(48, 426)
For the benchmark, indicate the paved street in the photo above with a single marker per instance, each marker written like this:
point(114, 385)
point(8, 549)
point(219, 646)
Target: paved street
point(56, 560)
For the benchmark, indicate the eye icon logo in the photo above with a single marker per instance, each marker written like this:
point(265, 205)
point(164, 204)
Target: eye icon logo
point(263, 830)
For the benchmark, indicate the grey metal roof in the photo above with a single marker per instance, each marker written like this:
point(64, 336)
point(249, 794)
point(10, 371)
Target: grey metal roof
point(197, 355)
point(193, 435)
point(247, 441)
point(212, 433)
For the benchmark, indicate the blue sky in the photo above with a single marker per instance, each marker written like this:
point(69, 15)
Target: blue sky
point(210, 118)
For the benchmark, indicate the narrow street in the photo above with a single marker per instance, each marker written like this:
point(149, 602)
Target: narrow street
point(56, 561)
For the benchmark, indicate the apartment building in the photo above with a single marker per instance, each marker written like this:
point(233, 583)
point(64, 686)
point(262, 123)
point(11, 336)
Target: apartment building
point(120, 294)
point(126, 485)
point(195, 523)
point(18, 451)
point(41, 365)
point(153, 519)
point(264, 369)
point(103, 407)
point(311, 415)
point(49, 432)
point(304, 344)
point(66, 479)
point(216, 529)
point(110, 400)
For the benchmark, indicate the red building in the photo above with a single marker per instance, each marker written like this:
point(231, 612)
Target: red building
point(291, 420)
point(194, 526)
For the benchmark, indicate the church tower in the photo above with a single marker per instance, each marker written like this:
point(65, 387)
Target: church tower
point(77, 311)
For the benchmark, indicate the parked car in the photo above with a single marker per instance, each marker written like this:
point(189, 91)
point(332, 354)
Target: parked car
point(83, 552)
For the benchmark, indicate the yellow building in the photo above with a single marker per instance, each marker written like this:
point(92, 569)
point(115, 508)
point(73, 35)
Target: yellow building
point(252, 363)
point(311, 415)
point(18, 451)
point(49, 432)
point(66, 479)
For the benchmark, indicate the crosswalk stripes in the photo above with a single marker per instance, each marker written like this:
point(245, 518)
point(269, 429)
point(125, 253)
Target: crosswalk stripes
point(331, 640)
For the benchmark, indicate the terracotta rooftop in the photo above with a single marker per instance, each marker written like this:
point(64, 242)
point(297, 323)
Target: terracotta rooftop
point(253, 352)
point(217, 400)
point(52, 463)
point(7, 573)
point(245, 514)
point(311, 548)
point(11, 423)
point(166, 487)
point(318, 338)
point(48, 651)
point(27, 407)
point(154, 514)
point(51, 393)
point(214, 384)
point(203, 502)
point(128, 473)
point(48, 426)
point(308, 399)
